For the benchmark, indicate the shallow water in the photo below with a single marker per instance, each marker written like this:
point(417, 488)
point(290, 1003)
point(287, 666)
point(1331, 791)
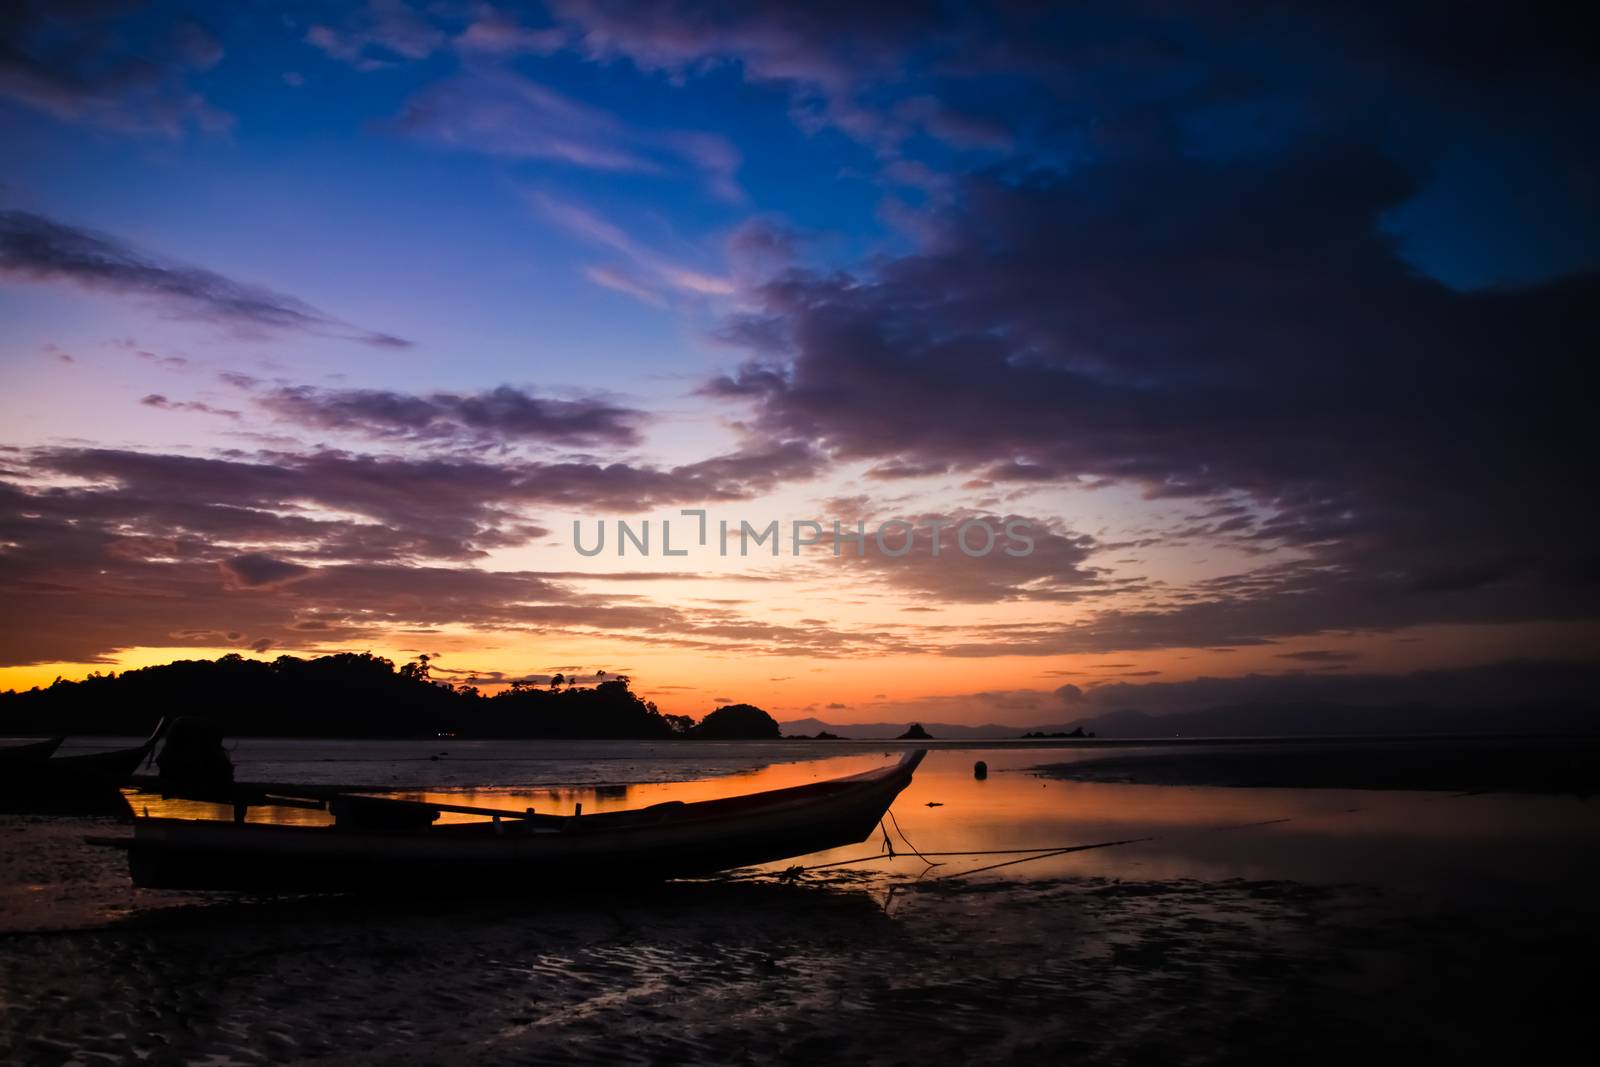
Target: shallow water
point(1446, 843)
point(1258, 926)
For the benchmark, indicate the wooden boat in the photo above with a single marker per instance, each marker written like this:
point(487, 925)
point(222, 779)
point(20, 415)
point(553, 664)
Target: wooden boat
point(13, 756)
point(83, 784)
point(378, 843)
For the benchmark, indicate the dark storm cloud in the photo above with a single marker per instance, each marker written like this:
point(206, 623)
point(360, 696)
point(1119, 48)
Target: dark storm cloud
point(499, 414)
point(88, 63)
point(1222, 330)
point(1077, 81)
point(37, 249)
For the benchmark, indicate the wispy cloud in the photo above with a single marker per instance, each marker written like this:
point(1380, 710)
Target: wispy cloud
point(496, 33)
point(38, 249)
point(617, 279)
point(489, 107)
point(504, 114)
point(498, 112)
point(643, 261)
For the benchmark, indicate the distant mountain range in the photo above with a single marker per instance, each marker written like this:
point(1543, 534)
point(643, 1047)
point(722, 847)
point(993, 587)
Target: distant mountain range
point(1253, 720)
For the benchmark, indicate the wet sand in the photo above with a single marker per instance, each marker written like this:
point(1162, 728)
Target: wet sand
point(1327, 938)
point(1088, 969)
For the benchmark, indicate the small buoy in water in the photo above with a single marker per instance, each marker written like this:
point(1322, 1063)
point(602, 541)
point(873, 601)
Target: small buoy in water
point(980, 770)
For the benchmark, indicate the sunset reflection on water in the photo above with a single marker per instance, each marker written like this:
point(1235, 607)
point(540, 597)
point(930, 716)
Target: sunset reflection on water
point(1418, 838)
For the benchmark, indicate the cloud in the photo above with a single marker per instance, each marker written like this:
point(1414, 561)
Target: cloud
point(491, 108)
point(754, 379)
point(934, 90)
point(504, 114)
point(621, 281)
point(255, 570)
point(379, 35)
point(716, 157)
point(494, 416)
point(1054, 568)
point(100, 65)
point(101, 542)
point(664, 272)
point(38, 249)
point(90, 592)
point(1501, 690)
point(1321, 655)
point(845, 66)
point(954, 127)
point(157, 400)
point(893, 470)
point(496, 33)
point(450, 508)
point(498, 112)
point(103, 549)
point(1379, 425)
point(824, 44)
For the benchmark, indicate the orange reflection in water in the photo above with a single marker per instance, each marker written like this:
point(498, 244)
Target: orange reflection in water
point(1199, 832)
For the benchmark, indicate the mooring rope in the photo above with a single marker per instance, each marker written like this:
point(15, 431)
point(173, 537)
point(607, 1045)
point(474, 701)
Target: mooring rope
point(1027, 855)
point(914, 850)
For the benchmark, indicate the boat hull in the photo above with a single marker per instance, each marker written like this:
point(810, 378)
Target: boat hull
point(13, 757)
point(668, 841)
point(71, 785)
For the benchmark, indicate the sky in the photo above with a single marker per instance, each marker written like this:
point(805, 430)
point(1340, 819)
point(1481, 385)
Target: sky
point(1271, 326)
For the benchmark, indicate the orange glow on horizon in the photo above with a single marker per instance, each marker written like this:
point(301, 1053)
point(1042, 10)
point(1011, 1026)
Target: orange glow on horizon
point(1013, 690)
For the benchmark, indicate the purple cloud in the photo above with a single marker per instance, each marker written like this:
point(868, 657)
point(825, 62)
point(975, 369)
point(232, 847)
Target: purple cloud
point(497, 415)
point(90, 64)
point(37, 249)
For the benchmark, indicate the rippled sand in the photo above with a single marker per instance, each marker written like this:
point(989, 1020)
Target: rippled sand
point(834, 969)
